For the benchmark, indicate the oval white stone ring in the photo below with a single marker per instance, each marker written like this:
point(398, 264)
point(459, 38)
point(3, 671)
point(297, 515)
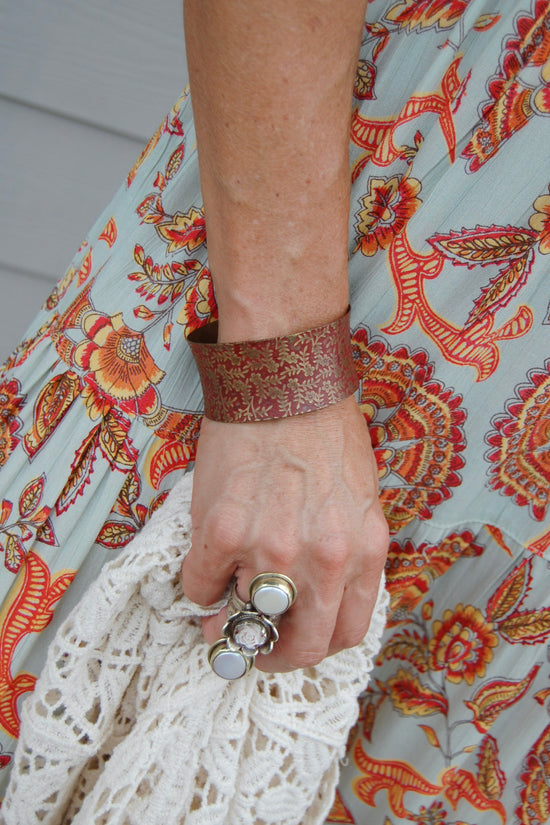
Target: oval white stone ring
point(228, 662)
point(272, 593)
point(251, 627)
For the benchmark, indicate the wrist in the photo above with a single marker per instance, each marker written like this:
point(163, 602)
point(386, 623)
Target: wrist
point(276, 276)
point(261, 380)
point(251, 318)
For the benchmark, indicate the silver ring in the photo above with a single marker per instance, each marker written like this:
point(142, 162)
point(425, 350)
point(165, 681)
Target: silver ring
point(251, 631)
point(235, 604)
point(272, 593)
point(245, 634)
point(251, 627)
point(228, 662)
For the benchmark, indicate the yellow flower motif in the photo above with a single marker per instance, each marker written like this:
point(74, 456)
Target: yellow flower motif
point(11, 402)
point(434, 815)
point(426, 14)
point(120, 368)
point(387, 207)
point(540, 222)
point(462, 644)
point(184, 231)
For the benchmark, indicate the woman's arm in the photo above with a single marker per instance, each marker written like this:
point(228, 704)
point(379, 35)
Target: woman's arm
point(271, 87)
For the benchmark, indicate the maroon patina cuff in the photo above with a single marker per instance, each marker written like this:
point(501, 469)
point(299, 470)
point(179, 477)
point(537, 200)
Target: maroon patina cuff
point(277, 377)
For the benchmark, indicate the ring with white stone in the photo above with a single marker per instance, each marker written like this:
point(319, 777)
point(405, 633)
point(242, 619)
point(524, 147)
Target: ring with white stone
point(235, 604)
point(251, 627)
point(251, 631)
point(245, 634)
point(272, 594)
point(228, 662)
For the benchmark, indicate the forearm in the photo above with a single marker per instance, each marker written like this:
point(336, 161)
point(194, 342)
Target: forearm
point(272, 88)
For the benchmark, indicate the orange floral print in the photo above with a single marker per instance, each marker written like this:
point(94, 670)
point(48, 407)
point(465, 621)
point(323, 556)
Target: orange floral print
point(415, 425)
point(434, 815)
point(512, 103)
point(410, 570)
point(462, 644)
point(535, 801)
point(120, 366)
point(364, 80)
point(174, 447)
point(10, 404)
point(200, 303)
point(413, 698)
point(387, 207)
point(540, 222)
point(520, 461)
point(184, 231)
point(425, 14)
point(28, 609)
point(171, 125)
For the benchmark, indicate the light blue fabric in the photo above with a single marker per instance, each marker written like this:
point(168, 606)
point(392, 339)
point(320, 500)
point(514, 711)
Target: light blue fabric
point(448, 243)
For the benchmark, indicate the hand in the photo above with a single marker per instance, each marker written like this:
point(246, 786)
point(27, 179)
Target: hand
point(297, 496)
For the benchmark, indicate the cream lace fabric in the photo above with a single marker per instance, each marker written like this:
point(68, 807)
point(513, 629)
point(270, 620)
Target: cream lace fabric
point(129, 726)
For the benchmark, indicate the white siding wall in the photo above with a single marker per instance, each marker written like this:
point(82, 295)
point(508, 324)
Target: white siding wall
point(83, 85)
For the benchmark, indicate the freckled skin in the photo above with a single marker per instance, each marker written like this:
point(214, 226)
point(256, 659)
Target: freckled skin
point(299, 495)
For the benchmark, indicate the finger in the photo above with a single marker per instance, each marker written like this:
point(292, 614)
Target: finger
point(361, 590)
point(205, 573)
point(212, 626)
point(304, 632)
point(355, 613)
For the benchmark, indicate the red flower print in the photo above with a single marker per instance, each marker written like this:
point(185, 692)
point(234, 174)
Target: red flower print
point(535, 793)
point(415, 426)
point(387, 207)
point(425, 14)
point(11, 403)
point(519, 441)
point(511, 102)
point(540, 222)
point(200, 304)
point(434, 815)
point(121, 369)
point(462, 644)
point(364, 80)
point(184, 231)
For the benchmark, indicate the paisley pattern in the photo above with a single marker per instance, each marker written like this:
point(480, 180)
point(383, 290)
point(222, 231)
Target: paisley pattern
point(415, 426)
point(520, 468)
point(100, 406)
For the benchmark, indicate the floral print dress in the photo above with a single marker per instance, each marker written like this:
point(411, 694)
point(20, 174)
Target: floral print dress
point(449, 239)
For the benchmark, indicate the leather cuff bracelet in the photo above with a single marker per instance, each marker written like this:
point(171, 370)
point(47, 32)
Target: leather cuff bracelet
point(277, 377)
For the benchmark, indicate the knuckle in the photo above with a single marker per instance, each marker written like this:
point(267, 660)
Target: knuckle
point(379, 532)
point(282, 553)
point(372, 550)
point(225, 534)
point(378, 555)
point(334, 553)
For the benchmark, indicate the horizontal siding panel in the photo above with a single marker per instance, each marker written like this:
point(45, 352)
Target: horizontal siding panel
point(56, 176)
point(118, 64)
point(22, 294)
